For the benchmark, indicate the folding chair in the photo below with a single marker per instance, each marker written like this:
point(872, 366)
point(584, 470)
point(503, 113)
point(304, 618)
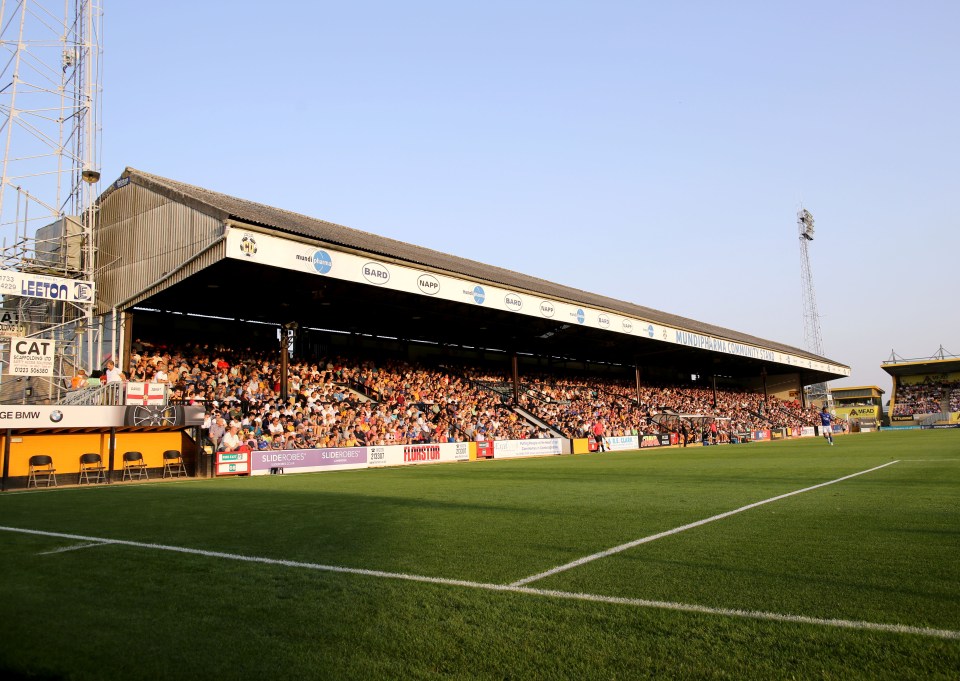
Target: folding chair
point(91, 464)
point(41, 468)
point(134, 466)
point(173, 464)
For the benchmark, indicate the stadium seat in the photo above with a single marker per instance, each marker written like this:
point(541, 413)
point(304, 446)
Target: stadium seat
point(41, 468)
point(173, 464)
point(91, 463)
point(134, 467)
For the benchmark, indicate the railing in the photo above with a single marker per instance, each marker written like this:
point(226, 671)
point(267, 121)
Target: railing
point(108, 394)
point(118, 394)
point(930, 419)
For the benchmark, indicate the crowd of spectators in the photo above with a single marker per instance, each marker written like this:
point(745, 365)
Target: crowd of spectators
point(334, 402)
point(573, 405)
point(349, 401)
point(927, 397)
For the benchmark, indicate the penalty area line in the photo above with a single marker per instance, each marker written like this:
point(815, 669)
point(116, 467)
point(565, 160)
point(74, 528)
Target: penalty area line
point(509, 588)
point(683, 528)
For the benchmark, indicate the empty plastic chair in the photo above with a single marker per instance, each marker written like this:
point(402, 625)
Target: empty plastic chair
point(41, 468)
point(173, 464)
point(134, 467)
point(91, 465)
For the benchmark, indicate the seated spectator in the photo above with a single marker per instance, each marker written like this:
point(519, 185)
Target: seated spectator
point(231, 440)
point(79, 380)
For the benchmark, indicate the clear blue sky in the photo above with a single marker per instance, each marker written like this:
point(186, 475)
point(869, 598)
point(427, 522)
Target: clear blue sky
point(653, 152)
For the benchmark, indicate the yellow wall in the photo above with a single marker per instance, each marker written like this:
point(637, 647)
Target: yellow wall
point(920, 378)
point(151, 445)
point(581, 446)
point(858, 412)
point(66, 449)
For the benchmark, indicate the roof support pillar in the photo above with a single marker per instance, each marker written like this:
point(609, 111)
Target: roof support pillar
point(638, 374)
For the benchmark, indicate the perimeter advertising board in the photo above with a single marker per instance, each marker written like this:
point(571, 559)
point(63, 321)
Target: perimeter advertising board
point(622, 443)
point(233, 463)
point(403, 455)
point(308, 460)
point(508, 449)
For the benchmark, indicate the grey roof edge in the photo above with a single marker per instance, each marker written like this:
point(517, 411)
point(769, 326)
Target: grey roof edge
point(224, 206)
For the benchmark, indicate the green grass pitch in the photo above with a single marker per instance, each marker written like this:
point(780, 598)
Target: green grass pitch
point(421, 572)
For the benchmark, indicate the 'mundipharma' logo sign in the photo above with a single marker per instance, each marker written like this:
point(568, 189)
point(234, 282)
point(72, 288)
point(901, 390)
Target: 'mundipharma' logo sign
point(322, 262)
point(479, 295)
point(319, 259)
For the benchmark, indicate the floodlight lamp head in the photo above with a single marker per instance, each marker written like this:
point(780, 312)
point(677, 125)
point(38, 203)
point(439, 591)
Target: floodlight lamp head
point(805, 222)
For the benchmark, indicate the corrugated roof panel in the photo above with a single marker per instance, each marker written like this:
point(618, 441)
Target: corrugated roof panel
point(222, 206)
point(146, 242)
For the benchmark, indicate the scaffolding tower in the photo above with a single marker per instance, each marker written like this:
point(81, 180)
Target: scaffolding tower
point(50, 85)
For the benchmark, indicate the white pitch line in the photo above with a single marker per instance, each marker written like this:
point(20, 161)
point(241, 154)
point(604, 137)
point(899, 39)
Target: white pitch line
point(683, 528)
point(508, 588)
point(929, 460)
point(75, 547)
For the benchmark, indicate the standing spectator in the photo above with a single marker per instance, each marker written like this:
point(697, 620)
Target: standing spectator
point(598, 435)
point(112, 374)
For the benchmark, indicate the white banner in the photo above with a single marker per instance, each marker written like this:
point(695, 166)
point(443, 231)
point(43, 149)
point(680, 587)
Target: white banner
point(31, 356)
point(324, 261)
point(11, 324)
point(59, 416)
point(621, 443)
point(508, 449)
point(13, 283)
point(405, 455)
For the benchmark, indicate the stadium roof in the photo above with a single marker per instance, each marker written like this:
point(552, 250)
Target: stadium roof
point(229, 209)
point(920, 367)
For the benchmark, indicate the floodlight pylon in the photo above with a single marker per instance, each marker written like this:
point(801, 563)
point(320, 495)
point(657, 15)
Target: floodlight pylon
point(812, 336)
